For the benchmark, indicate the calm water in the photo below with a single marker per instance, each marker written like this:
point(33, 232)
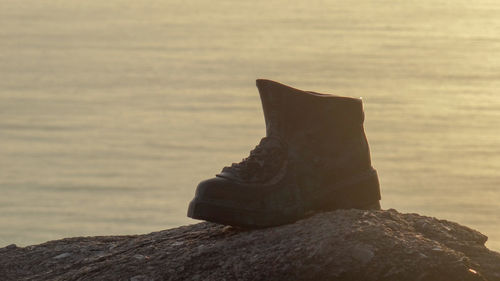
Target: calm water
point(112, 111)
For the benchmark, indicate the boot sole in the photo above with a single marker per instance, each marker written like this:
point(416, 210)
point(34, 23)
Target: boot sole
point(361, 192)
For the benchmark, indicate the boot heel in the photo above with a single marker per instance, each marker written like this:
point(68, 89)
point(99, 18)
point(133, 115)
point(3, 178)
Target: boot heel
point(373, 206)
point(360, 192)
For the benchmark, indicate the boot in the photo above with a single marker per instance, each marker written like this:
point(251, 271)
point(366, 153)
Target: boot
point(314, 157)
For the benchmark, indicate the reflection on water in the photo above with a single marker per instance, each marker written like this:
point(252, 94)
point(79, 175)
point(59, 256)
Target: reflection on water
point(111, 112)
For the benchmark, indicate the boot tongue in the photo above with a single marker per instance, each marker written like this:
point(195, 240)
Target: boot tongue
point(272, 98)
point(268, 156)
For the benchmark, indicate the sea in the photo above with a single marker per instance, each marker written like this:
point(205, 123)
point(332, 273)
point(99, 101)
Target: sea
point(111, 112)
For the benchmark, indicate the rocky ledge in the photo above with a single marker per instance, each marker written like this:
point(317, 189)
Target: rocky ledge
point(340, 245)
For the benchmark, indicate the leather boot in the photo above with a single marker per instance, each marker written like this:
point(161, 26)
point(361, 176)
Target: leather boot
point(314, 157)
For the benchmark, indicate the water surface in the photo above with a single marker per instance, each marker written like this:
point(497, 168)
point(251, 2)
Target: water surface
point(111, 112)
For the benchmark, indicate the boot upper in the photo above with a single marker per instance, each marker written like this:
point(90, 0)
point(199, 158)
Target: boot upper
point(317, 137)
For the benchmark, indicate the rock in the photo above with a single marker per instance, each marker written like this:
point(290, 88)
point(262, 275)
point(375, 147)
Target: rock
point(139, 278)
point(362, 253)
point(340, 245)
point(62, 256)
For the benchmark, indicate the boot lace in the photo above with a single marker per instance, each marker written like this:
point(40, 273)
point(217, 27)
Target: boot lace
point(263, 162)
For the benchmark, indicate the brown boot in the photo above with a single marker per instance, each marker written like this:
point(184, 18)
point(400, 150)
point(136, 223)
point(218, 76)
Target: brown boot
point(315, 157)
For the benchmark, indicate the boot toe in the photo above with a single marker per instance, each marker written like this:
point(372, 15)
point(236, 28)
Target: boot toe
point(218, 200)
point(216, 189)
point(229, 192)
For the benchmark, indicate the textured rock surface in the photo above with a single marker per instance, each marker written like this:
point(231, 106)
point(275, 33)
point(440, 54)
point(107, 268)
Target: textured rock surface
point(340, 245)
